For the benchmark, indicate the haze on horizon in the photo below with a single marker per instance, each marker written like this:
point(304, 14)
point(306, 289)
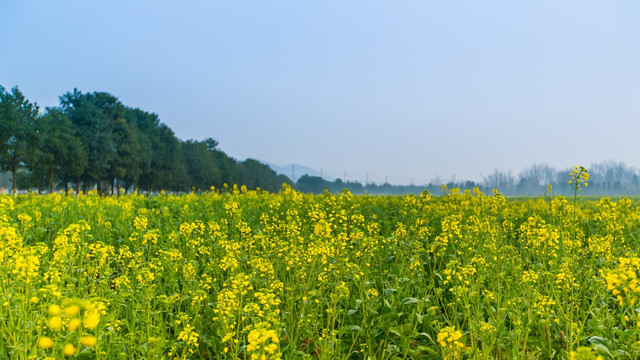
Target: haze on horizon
point(403, 91)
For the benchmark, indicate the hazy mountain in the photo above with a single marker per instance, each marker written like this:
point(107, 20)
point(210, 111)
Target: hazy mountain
point(295, 171)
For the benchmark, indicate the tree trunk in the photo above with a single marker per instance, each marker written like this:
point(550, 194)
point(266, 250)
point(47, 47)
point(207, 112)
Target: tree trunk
point(66, 187)
point(51, 182)
point(15, 170)
point(118, 186)
point(99, 187)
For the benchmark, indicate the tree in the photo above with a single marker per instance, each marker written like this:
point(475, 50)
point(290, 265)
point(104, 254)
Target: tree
point(76, 163)
point(534, 179)
point(200, 164)
point(127, 151)
point(58, 148)
point(254, 174)
point(144, 125)
point(504, 182)
point(228, 170)
point(17, 116)
point(312, 184)
point(93, 116)
point(167, 169)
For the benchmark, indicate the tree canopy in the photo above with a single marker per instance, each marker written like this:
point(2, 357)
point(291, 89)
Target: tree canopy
point(93, 141)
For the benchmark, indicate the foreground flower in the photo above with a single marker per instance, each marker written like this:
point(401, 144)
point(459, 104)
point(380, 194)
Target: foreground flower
point(54, 310)
point(74, 324)
point(72, 310)
point(89, 341)
point(448, 339)
point(584, 353)
point(55, 323)
point(45, 342)
point(69, 350)
point(91, 320)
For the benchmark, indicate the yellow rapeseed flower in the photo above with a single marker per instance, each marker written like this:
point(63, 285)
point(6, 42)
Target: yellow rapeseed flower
point(45, 342)
point(55, 323)
point(91, 320)
point(74, 324)
point(69, 350)
point(72, 310)
point(54, 310)
point(89, 341)
point(584, 353)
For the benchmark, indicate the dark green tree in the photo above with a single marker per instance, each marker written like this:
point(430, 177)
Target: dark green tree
point(74, 166)
point(254, 174)
point(167, 169)
point(312, 184)
point(227, 166)
point(93, 115)
point(126, 161)
point(17, 116)
point(58, 147)
point(200, 163)
point(145, 125)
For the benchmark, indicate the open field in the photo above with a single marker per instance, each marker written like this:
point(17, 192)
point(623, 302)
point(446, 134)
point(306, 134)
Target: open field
point(253, 275)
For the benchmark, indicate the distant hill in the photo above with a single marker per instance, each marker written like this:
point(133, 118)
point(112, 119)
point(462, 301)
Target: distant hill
point(295, 171)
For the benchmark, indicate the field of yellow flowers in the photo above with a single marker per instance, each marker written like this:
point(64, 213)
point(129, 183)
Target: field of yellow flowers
point(252, 275)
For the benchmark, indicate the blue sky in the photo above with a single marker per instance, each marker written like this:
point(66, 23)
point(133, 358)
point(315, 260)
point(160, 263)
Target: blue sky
point(404, 90)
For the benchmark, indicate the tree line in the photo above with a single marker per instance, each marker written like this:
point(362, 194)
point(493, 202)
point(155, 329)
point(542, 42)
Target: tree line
point(606, 178)
point(93, 141)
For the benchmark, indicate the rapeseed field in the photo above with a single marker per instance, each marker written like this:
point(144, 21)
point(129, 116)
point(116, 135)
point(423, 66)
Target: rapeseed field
point(232, 273)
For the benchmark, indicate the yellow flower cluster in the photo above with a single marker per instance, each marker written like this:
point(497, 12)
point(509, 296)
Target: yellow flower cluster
point(622, 281)
point(189, 336)
point(73, 317)
point(449, 339)
point(263, 343)
point(530, 276)
point(584, 353)
point(579, 176)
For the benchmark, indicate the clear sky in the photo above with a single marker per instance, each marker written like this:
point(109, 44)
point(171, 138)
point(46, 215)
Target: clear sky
point(404, 90)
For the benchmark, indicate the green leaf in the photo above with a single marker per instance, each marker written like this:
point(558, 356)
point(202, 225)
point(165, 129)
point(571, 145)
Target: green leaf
point(394, 330)
point(390, 291)
point(595, 340)
point(602, 350)
point(409, 301)
point(419, 317)
point(426, 349)
point(393, 349)
point(353, 328)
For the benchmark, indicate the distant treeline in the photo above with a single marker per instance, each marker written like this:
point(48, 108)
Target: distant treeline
point(606, 178)
point(93, 141)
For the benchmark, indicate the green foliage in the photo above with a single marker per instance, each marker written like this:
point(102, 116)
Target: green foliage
point(17, 123)
point(94, 140)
